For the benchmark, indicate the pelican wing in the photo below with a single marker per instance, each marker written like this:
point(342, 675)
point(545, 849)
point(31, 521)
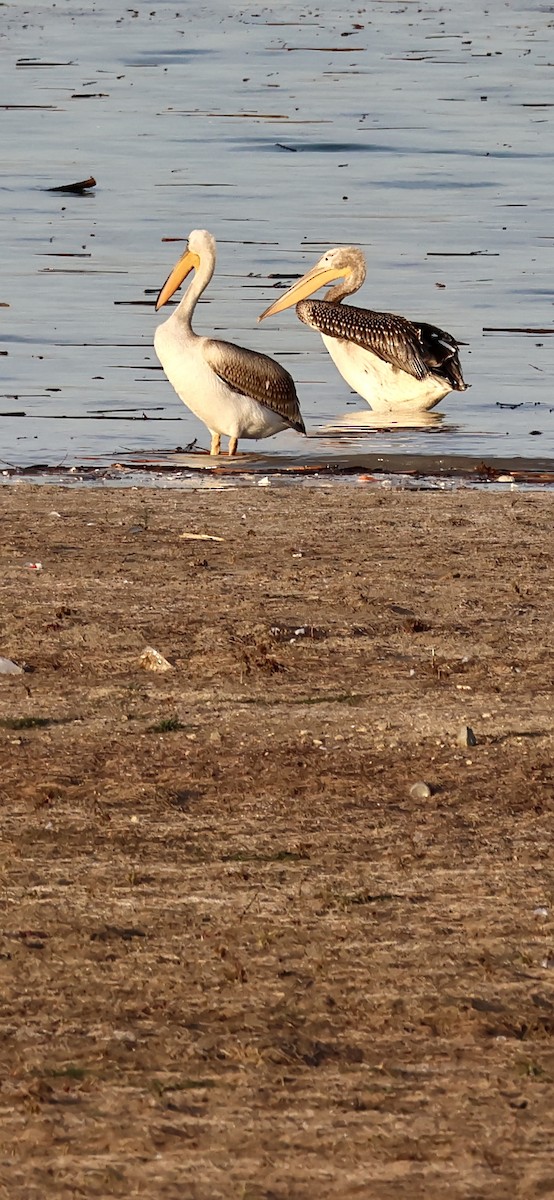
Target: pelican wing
point(257, 376)
point(418, 349)
point(441, 354)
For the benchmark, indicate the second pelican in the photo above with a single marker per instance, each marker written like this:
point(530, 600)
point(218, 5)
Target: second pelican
point(233, 391)
point(394, 363)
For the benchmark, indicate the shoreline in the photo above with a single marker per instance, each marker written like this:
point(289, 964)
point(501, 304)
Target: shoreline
point(245, 469)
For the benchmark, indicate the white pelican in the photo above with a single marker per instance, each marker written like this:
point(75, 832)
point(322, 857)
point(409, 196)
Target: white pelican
point(232, 390)
point(394, 363)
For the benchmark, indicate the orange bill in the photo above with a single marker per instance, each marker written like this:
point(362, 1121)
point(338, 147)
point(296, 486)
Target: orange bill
point(186, 264)
point(310, 283)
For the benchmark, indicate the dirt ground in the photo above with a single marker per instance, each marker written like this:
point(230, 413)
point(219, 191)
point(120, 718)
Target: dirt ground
point(239, 957)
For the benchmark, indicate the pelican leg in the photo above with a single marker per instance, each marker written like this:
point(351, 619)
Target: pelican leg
point(215, 447)
point(233, 443)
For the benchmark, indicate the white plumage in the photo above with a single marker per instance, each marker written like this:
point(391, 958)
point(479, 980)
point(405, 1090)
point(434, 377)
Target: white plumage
point(394, 363)
point(234, 391)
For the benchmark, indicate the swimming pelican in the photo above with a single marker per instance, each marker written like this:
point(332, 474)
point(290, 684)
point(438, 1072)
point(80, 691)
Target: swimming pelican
point(392, 362)
point(232, 390)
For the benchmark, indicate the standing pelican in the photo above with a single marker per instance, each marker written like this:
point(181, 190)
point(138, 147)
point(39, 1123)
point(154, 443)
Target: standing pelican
point(232, 390)
point(392, 362)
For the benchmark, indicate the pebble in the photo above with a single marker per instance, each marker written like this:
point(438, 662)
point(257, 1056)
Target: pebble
point(7, 667)
point(420, 791)
point(152, 660)
point(466, 736)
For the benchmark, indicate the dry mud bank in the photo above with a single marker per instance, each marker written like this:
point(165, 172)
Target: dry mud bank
point(239, 957)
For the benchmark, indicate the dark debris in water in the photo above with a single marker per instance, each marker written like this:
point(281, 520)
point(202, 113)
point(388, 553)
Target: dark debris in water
point(516, 329)
point(463, 254)
point(83, 185)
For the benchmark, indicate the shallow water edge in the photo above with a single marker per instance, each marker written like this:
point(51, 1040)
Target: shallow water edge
point(190, 471)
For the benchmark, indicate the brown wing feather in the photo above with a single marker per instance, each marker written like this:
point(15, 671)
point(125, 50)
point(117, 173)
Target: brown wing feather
point(257, 376)
point(418, 349)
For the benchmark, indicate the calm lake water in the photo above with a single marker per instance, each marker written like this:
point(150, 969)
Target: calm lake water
point(421, 133)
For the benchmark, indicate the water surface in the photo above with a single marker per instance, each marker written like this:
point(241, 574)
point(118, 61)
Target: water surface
point(422, 134)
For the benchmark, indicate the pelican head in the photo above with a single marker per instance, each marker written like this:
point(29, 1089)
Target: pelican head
point(343, 262)
point(200, 246)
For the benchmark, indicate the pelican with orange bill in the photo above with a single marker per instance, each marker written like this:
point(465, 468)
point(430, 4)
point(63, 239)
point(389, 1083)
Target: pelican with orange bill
point(234, 391)
point(395, 364)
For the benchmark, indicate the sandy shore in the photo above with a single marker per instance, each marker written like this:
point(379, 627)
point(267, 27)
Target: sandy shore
point(240, 956)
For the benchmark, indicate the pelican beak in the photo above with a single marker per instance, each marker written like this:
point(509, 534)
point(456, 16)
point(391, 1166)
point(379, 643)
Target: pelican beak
point(310, 283)
point(186, 263)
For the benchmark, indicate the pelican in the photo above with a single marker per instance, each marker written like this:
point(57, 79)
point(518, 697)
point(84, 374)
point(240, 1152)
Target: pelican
point(232, 390)
point(394, 363)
